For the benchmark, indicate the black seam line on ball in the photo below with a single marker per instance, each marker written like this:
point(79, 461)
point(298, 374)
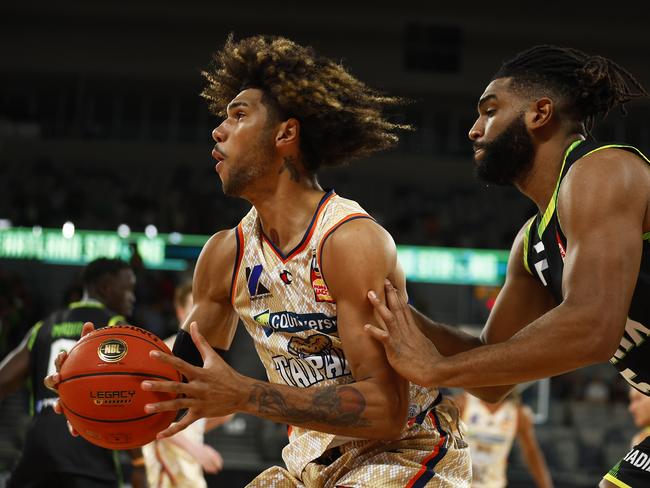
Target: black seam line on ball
point(117, 373)
point(111, 421)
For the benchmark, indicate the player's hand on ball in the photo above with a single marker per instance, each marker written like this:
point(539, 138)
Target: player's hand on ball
point(52, 381)
point(408, 350)
point(211, 391)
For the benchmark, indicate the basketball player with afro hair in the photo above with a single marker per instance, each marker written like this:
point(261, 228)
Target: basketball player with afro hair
point(296, 271)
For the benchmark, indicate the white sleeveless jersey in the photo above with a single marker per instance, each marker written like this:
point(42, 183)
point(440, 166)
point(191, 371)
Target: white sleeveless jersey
point(287, 309)
point(490, 437)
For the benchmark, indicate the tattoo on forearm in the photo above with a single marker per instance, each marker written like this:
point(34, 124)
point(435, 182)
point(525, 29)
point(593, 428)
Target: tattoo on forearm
point(339, 406)
point(291, 167)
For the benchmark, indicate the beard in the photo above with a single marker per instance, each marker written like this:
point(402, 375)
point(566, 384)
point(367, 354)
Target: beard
point(249, 167)
point(508, 156)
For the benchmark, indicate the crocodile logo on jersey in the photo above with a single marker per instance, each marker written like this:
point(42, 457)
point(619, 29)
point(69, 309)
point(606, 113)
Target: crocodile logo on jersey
point(314, 359)
point(313, 345)
point(255, 288)
point(294, 322)
point(112, 350)
point(321, 292)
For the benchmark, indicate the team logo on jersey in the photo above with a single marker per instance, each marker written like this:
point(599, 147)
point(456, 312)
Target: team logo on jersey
point(321, 292)
point(112, 350)
point(286, 277)
point(294, 322)
point(255, 288)
point(313, 359)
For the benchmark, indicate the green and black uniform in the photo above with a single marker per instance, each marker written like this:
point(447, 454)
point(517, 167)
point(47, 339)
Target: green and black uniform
point(545, 247)
point(52, 457)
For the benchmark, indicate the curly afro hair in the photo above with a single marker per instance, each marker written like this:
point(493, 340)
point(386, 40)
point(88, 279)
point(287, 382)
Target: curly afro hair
point(341, 118)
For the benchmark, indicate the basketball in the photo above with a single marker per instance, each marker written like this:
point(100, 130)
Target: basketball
point(100, 387)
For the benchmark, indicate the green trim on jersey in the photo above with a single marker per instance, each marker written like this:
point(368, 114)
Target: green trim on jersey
point(616, 481)
point(608, 146)
point(33, 334)
point(116, 320)
point(548, 213)
point(80, 304)
point(526, 239)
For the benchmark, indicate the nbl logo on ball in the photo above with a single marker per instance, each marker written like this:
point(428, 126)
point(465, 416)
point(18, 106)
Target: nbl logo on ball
point(112, 350)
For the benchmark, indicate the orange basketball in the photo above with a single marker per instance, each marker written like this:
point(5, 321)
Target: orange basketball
point(100, 387)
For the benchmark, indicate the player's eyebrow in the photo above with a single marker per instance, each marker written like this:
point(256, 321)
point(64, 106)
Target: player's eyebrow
point(486, 99)
point(235, 104)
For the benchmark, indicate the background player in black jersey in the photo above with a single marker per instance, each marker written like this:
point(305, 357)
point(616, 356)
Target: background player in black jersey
point(52, 457)
point(578, 280)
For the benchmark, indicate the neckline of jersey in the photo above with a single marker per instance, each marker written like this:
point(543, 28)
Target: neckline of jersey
point(308, 232)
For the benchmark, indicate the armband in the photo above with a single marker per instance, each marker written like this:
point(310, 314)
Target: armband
point(185, 349)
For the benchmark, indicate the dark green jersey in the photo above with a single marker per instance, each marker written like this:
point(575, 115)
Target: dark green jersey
point(545, 247)
point(48, 444)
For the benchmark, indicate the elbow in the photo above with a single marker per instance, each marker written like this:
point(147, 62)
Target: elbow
point(607, 340)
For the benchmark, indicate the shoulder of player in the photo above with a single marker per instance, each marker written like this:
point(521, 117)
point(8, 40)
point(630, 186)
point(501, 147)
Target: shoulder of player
point(611, 168)
point(221, 248)
point(214, 267)
point(359, 235)
point(356, 249)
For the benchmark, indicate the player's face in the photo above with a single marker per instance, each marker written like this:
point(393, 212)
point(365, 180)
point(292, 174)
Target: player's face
point(639, 408)
point(245, 143)
point(503, 148)
point(119, 293)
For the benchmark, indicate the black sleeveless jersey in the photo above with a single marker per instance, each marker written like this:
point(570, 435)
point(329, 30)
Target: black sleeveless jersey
point(48, 443)
point(545, 248)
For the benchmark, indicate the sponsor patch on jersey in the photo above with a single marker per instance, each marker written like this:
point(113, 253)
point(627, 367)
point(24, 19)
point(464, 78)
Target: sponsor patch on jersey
point(286, 277)
point(294, 322)
point(255, 287)
point(321, 292)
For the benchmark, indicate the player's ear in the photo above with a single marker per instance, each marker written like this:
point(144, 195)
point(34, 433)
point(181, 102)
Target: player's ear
point(540, 113)
point(288, 132)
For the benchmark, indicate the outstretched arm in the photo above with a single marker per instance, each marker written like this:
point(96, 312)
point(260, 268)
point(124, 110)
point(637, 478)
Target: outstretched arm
point(602, 211)
point(403, 333)
point(357, 256)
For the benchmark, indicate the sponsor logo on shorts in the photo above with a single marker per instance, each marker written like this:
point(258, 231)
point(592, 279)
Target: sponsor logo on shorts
point(112, 350)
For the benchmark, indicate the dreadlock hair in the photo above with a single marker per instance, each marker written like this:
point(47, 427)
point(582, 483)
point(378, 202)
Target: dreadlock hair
point(98, 269)
point(341, 118)
point(590, 85)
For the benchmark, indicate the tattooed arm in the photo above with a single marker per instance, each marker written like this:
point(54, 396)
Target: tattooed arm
point(357, 256)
